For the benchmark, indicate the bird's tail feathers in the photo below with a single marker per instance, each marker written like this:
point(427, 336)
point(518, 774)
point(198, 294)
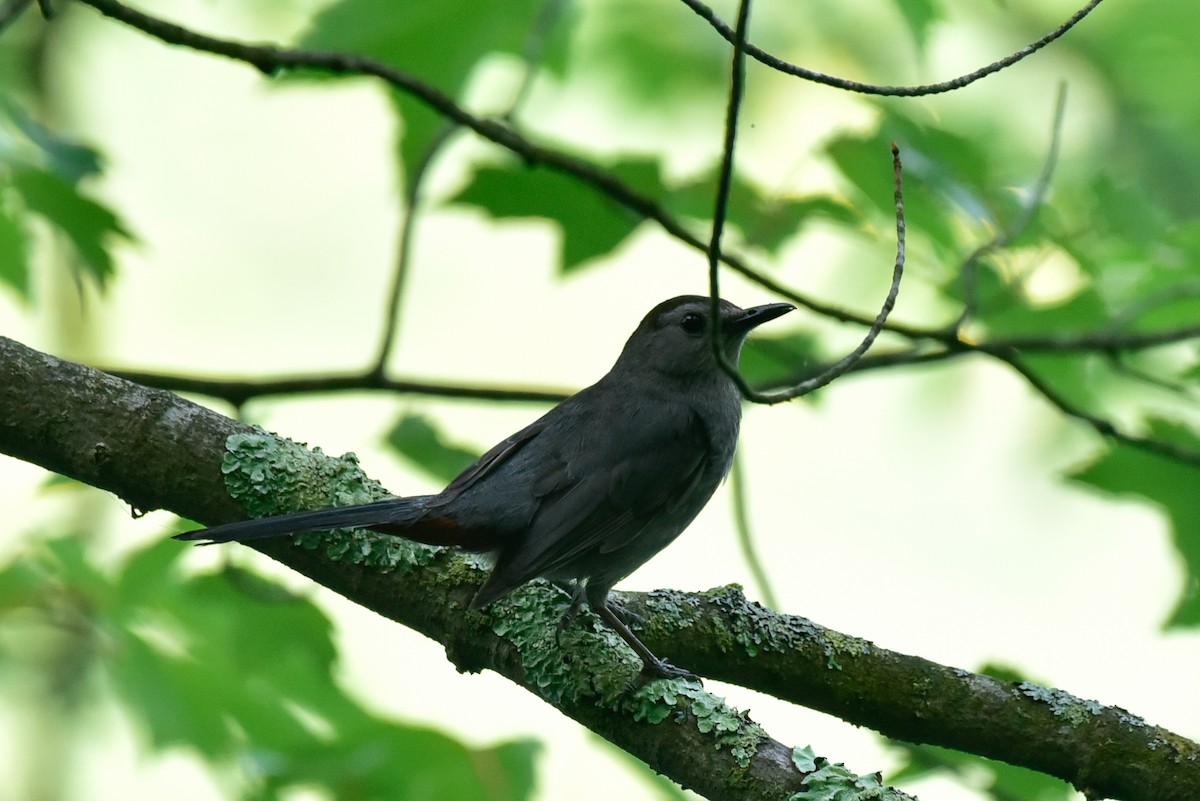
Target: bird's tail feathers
point(393, 515)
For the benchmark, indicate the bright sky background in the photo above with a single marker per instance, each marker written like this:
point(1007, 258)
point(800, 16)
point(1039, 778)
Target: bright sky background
point(921, 511)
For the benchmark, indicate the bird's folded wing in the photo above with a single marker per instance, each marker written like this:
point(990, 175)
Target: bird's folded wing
point(600, 500)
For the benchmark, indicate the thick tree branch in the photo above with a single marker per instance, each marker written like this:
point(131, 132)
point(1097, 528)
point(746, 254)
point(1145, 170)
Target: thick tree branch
point(1103, 751)
point(156, 450)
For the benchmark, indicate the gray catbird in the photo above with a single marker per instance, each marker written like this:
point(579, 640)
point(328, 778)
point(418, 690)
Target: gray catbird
point(595, 487)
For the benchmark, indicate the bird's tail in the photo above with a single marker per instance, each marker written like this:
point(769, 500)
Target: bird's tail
point(405, 517)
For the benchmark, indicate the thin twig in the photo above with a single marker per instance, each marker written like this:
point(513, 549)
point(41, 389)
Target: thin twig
point(1104, 427)
point(724, 182)
point(741, 520)
point(730, 35)
point(412, 199)
point(1185, 290)
point(737, 82)
point(531, 55)
point(1121, 366)
point(851, 358)
point(237, 392)
point(532, 52)
point(1005, 236)
point(1104, 340)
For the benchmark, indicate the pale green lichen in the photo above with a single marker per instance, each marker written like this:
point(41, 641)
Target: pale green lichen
point(751, 627)
point(271, 475)
point(827, 781)
point(584, 658)
point(588, 661)
point(657, 700)
point(1072, 709)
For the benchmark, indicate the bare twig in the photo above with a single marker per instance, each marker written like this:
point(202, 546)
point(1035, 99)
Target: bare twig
point(851, 358)
point(237, 392)
point(724, 183)
point(1105, 340)
point(1102, 426)
point(730, 35)
point(1121, 366)
point(531, 55)
point(741, 519)
point(737, 85)
point(412, 200)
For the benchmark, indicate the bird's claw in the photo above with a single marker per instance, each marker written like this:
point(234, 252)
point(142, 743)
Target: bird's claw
point(662, 669)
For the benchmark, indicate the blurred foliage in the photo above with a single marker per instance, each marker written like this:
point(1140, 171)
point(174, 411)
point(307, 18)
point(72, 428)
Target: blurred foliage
point(232, 666)
point(418, 439)
point(242, 673)
point(40, 177)
point(995, 780)
point(1171, 486)
point(440, 43)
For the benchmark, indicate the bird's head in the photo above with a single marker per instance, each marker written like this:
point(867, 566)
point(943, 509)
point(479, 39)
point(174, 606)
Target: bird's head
point(673, 338)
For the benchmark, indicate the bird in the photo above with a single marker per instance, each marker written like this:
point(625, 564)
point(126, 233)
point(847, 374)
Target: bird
point(596, 486)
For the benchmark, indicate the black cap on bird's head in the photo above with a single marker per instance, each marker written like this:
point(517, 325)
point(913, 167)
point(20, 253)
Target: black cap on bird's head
point(673, 337)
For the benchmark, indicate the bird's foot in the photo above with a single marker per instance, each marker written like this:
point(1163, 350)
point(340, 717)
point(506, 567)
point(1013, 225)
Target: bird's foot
point(662, 669)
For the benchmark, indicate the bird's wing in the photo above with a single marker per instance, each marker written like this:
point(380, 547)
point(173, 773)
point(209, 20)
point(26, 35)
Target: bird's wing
point(499, 453)
point(599, 498)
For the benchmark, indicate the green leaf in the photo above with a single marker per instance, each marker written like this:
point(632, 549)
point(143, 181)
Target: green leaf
point(418, 440)
point(763, 221)
point(1009, 315)
point(1004, 782)
point(14, 269)
point(21, 584)
point(656, 55)
point(1169, 484)
point(69, 563)
point(171, 698)
point(439, 43)
point(149, 572)
point(774, 361)
point(89, 225)
point(591, 225)
point(66, 158)
point(948, 181)
point(920, 16)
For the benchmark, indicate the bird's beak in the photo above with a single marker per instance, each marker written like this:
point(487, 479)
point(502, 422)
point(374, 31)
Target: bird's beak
point(754, 317)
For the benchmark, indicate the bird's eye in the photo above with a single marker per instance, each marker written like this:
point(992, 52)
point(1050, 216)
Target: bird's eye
point(692, 323)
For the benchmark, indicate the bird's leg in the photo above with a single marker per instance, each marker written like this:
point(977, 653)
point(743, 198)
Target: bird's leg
point(577, 593)
point(651, 663)
point(628, 616)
